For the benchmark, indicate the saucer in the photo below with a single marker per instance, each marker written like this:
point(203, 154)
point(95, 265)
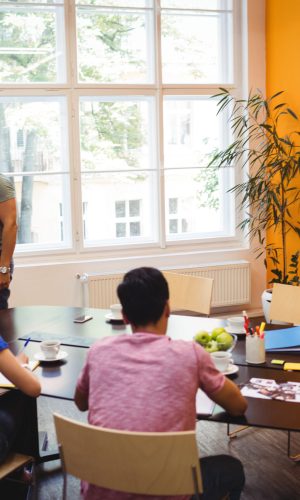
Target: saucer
point(231, 370)
point(235, 330)
point(109, 317)
point(40, 356)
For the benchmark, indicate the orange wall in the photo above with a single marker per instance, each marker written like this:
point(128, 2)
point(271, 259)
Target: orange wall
point(283, 49)
point(283, 61)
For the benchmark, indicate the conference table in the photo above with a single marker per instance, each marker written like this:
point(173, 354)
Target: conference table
point(58, 379)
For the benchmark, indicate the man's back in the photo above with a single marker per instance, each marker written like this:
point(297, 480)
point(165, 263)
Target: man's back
point(146, 382)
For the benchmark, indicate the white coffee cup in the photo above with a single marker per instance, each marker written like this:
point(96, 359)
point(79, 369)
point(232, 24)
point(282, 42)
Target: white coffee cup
point(236, 323)
point(50, 348)
point(222, 360)
point(116, 311)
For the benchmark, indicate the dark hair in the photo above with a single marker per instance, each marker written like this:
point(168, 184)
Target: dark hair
point(143, 294)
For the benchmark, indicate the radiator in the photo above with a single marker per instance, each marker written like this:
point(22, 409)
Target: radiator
point(231, 284)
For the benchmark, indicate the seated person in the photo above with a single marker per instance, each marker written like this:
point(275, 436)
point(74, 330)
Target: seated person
point(12, 402)
point(148, 382)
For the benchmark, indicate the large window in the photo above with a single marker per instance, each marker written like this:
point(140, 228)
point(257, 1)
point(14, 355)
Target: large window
point(107, 121)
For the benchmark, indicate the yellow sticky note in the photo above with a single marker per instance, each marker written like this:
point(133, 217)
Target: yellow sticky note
point(291, 366)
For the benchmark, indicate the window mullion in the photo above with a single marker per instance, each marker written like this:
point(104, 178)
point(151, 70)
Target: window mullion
point(160, 138)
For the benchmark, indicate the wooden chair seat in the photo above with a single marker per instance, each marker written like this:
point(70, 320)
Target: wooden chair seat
point(14, 462)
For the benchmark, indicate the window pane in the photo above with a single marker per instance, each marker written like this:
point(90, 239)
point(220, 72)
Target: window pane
point(134, 208)
point(117, 3)
point(44, 211)
point(120, 230)
point(32, 44)
point(33, 140)
point(173, 206)
point(192, 131)
point(103, 227)
point(173, 226)
point(114, 45)
point(33, 134)
point(197, 47)
point(116, 133)
point(197, 4)
point(202, 202)
point(52, 2)
point(120, 209)
point(135, 228)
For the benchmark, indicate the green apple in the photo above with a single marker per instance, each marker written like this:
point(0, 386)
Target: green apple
point(216, 332)
point(224, 340)
point(202, 337)
point(212, 346)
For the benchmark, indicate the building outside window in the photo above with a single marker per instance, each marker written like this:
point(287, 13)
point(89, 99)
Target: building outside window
point(110, 102)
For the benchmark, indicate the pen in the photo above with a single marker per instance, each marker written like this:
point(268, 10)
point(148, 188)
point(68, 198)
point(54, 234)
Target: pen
point(261, 329)
point(246, 322)
point(262, 326)
point(25, 344)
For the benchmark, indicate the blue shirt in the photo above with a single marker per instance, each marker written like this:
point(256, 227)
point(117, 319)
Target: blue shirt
point(3, 344)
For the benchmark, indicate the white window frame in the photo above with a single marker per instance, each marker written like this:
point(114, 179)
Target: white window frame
point(73, 91)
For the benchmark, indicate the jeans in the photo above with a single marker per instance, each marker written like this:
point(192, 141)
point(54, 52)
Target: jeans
point(11, 420)
point(221, 475)
point(4, 296)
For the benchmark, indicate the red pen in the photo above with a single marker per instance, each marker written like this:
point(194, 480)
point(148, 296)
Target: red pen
point(246, 322)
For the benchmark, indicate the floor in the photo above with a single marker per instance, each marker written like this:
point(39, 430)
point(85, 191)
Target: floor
point(270, 474)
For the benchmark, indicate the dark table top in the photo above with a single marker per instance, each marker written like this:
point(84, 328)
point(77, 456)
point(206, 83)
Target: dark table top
point(59, 379)
point(273, 414)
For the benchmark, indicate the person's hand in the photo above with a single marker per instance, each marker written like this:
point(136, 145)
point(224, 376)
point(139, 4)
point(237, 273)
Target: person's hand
point(4, 280)
point(22, 358)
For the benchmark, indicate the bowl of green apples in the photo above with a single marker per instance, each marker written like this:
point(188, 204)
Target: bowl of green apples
point(216, 340)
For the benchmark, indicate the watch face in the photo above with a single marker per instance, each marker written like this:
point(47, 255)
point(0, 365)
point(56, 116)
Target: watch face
point(4, 270)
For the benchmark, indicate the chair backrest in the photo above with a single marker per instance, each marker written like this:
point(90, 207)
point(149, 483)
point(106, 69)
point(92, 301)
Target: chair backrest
point(191, 293)
point(137, 462)
point(285, 303)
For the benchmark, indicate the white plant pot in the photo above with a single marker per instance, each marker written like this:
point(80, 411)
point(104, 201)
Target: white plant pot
point(266, 299)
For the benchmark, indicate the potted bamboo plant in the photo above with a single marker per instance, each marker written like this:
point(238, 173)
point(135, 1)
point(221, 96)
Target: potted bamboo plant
point(270, 192)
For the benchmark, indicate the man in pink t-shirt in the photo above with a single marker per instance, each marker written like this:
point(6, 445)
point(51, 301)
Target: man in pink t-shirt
point(148, 382)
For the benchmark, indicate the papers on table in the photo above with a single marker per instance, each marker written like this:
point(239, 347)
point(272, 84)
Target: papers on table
point(287, 339)
point(4, 382)
point(269, 389)
point(204, 405)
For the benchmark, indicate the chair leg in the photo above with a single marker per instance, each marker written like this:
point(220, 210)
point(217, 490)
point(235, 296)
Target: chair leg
point(233, 434)
point(196, 486)
point(65, 486)
point(64, 495)
point(295, 458)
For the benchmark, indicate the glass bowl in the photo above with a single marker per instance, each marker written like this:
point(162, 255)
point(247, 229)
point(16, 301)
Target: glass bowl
point(213, 345)
point(222, 347)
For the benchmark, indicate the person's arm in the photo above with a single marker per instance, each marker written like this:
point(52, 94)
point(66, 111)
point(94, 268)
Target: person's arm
point(81, 400)
point(230, 398)
point(22, 378)
point(8, 217)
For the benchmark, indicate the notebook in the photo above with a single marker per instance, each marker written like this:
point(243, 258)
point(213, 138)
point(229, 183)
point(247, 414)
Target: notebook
point(5, 383)
point(287, 339)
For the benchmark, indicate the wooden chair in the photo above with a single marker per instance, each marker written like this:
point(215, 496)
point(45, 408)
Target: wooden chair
point(16, 461)
point(190, 293)
point(285, 303)
point(149, 463)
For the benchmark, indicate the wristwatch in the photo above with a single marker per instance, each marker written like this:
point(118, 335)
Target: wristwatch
point(4, 270)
